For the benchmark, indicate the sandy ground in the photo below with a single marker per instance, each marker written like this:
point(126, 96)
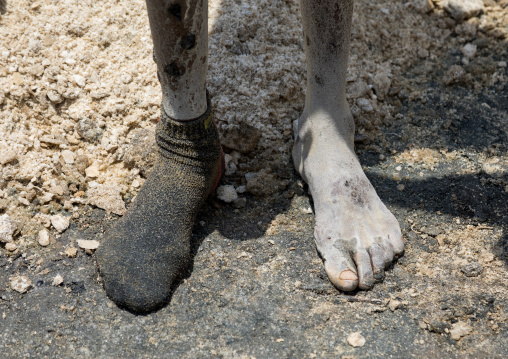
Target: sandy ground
point(79, 100)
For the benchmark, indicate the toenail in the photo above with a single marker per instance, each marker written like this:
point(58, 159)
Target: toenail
point(348, 275)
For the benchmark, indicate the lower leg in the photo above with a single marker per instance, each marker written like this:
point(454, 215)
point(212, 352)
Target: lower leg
point(180, 40)
point(145, 253)
point(355, 233)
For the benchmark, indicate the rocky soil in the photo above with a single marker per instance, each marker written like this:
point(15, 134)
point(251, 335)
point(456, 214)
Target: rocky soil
point(79, 100)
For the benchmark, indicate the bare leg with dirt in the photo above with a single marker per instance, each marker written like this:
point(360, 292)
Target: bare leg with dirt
point(356, 235)
point(145, 254)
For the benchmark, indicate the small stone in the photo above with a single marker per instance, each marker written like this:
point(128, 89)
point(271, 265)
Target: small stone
point(463, 9)
point(92, 171)
point(423, 6)
point(141, 151)
point(230, 165)
point(454, 74)
point(356, 340)
point(11, 246)
point(71, 252)
point(241, 189)
point(239, 203)
point(433, 230)
point(243, 139)
point(21, 284)
point(227, 193)
point(8, 156)
point(60, 223)
point(57, 280)
point(365, 105)
point(7, 229)
point(401, 187)
point(472, 269)
point(55, 97)
point(107, 197)
point(469, 50)
point(68, 156)
point(81, 164)
point(382, 85)
point(79, 80)
point(43, 238)
point(459, 330)
point(89, 130)
point(393, 304)
point(88, 244)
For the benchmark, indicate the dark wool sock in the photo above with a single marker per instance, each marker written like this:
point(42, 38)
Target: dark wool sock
point(143, 256)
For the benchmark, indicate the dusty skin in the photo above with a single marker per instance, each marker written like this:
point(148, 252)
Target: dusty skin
point(355, 233)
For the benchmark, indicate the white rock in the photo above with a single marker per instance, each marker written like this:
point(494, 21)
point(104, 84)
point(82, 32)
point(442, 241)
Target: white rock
point(356, 339)
point(230, 165)
point(227, 193)
point(43, 238)
point(459, 330)
point(7, 228)
point(92, 171)
point(68, 156)
point(7, 156)
point(364, 105)
point(79, 80)
point(469, 50)
point(11, 247)
point(21, 284)
point(88, 244)
point(241, 189)
point(57, 280)
point(60, 223)
point(107, 197)
point(463, 9)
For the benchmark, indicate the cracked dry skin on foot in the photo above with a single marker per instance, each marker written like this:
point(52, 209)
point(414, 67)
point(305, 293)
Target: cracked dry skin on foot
point(146, 252)
point(355, 234)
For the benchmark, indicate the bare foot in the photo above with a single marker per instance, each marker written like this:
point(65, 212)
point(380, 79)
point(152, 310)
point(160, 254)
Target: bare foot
point(356, 235)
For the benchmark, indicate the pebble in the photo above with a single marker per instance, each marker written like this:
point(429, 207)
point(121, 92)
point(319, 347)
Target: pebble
point(88, 244)
point(463, 9)
point(21, 284)
point(71, 252)
point(227, 193)
point(92, 171)
point(459, 330)
point(60, 223)
point(365, 105)
point(472, 269)
point(454, 74)
point(469, 50)
point(382, 85)
point(401, 187)
point(68, 156)
point(43, 238)
point(7, 228)
point(107, 197)
point(8, 156)
point(356, 339)
point(11, 246)
point(394, 304)
point(243, 139)
point(89, 130)
point(57, 280)
point(423, 6)
point(141, 151)
point(230, 165)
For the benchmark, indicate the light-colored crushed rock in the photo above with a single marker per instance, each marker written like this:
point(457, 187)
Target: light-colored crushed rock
point(7, 228)
point(21, 284)
point(227, 193)
point(90, 244)
point(463, 9)
point(60, 223)
point(356, 339)
point(43, 238)
point(107, 197)
point(459, 330)
point(58, 280)
point(11, 246)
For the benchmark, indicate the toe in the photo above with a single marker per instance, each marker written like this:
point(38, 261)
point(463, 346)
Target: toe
point(388, 254)
point(364, 268)
point(378, 263)
point(342, 273)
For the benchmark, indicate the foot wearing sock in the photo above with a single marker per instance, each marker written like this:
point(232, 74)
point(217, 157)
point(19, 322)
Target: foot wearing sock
point(145, 254)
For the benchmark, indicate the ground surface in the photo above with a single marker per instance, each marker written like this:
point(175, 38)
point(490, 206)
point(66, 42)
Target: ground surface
point(79, 97)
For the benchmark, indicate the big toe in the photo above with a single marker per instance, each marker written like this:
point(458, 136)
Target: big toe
point(343, 277)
